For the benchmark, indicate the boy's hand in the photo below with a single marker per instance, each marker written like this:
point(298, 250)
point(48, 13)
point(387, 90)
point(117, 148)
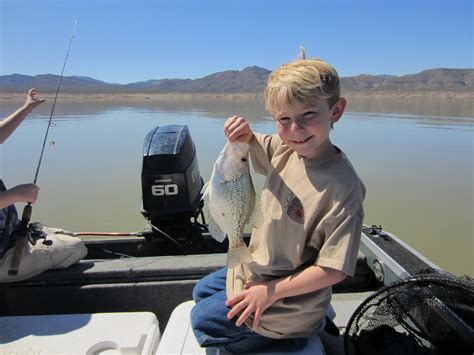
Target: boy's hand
point(255, 299)
point(236, 128)
point(25, 193)
point(32, 100)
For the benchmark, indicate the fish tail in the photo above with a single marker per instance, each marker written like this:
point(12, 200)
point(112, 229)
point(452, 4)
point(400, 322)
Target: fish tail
point(238, 254)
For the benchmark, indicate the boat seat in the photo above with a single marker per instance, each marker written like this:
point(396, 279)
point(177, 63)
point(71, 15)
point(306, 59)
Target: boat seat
point(178, 337)
point(95, 333)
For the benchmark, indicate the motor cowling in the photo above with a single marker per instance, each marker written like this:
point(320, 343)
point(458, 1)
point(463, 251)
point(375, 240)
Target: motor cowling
point(171, 181)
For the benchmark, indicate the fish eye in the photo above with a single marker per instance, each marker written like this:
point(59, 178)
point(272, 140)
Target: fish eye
point(244, 159)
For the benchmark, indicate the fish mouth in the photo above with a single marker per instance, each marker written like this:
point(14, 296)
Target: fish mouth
point(302, 141)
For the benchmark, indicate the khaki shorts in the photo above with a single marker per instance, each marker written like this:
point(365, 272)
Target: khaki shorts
point(64, 251)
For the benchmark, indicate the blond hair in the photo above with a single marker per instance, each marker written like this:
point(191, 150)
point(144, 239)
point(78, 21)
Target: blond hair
point(302, 81)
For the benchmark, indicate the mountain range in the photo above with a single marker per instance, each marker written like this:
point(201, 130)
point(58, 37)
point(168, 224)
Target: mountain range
point(249, 80)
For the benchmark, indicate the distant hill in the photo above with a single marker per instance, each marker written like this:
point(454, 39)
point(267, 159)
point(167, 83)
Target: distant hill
point(429, 80)
point(251, 79)
point(49, 83)
point(248, 80)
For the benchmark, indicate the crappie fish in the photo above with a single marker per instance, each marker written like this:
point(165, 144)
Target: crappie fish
point(232, 201)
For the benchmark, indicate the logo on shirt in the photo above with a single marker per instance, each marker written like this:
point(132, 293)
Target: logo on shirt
point(294, 208)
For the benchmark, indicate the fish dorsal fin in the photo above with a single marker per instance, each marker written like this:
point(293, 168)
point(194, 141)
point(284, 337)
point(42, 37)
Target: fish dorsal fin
point(256, 218)
point(216, 232)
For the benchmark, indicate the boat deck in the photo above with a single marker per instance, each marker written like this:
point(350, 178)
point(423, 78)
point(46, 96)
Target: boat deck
point(142, 277)
point(153, 284)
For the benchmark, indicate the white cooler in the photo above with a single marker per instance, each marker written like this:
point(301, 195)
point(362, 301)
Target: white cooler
point(97, 333)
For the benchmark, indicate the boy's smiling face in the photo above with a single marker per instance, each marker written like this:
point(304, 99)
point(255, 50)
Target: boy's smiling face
point(305, 127)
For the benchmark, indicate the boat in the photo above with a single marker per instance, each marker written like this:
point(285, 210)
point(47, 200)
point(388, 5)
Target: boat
point(154, 271)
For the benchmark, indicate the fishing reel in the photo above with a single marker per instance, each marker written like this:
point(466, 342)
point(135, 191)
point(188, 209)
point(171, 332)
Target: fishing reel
point(171, 185)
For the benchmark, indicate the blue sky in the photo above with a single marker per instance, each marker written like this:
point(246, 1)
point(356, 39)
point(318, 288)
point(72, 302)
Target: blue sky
point(134, 40)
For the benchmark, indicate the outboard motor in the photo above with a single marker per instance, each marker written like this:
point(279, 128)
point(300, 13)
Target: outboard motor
point(171, 182)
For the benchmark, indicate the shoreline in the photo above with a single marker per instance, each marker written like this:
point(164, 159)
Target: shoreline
point(426, 103)
point(167, 97)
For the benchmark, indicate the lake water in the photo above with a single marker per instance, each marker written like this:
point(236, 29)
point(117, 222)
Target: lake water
point(415, 158)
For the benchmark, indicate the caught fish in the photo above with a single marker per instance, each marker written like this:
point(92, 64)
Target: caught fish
point(232, 201)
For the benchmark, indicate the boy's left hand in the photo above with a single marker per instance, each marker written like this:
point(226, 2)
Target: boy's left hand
point(255, 299)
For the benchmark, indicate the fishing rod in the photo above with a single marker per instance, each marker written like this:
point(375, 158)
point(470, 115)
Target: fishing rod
point(26, 215)
point(131, 234)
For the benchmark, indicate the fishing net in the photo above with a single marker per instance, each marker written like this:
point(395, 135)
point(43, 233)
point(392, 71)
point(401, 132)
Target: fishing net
point(423, 314)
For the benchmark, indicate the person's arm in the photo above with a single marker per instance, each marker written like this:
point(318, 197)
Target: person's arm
point(20, 193)
point(259, 296)
point(10, 124)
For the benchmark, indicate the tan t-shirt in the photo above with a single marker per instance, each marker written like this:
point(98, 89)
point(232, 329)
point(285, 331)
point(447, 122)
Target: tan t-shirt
point(312, 216)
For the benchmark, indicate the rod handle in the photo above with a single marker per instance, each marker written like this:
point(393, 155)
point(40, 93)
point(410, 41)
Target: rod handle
point(20, 241)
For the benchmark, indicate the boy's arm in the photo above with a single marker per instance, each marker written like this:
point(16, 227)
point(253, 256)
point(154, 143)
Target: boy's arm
point(9, 124)
point(20, 193)
point(259, 296)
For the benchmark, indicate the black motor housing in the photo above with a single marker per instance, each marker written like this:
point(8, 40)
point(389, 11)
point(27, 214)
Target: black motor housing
point(171, 182)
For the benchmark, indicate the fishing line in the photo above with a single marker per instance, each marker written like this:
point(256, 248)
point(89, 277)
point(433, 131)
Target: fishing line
point(22, 234)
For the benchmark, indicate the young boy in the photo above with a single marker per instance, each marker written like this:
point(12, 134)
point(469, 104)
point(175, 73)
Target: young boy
point(312, 205)
point(61, 250)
